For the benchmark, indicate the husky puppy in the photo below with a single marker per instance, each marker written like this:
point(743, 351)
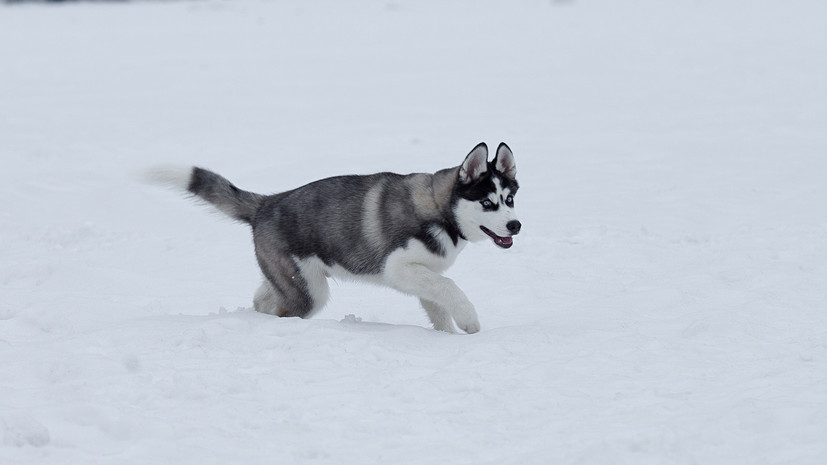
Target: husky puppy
point(401, 231)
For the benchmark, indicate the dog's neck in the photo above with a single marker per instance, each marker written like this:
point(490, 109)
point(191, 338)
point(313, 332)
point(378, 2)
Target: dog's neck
point(443, 184)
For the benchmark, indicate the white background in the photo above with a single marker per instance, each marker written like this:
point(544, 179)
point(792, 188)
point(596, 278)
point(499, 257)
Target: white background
point(666, 302)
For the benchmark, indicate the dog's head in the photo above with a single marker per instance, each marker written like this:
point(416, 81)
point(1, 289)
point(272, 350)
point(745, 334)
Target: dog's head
point(485, 196)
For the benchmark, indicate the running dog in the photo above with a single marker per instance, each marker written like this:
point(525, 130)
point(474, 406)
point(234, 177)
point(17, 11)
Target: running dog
point(401, 231)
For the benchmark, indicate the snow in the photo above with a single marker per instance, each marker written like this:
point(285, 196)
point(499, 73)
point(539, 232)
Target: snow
point(664, 304)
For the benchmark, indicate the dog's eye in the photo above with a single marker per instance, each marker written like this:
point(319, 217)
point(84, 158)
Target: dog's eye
point(509, 200)
point(487, 203)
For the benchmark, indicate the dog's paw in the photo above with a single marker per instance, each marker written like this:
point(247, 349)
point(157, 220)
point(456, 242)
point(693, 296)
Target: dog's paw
point(470, 327)
point(446, 327)
point(466, 317)
point(468, 322)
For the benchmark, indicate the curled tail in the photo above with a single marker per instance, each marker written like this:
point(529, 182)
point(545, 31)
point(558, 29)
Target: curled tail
point(211, 187)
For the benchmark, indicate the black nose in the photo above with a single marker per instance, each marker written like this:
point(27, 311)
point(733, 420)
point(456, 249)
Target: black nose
point(514, 226)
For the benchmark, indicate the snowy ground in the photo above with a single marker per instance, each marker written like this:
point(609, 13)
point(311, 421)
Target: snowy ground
point(665, 304)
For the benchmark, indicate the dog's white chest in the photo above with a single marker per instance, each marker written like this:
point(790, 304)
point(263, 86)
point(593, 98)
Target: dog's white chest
point(415, 252)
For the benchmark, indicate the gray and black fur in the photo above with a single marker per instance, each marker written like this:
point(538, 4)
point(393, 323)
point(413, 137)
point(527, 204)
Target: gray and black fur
point(376, 227)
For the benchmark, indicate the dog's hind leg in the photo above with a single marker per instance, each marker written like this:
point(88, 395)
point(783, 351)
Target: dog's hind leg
point(266, 300)
point(292, 287)
point(439, 316)
point(315, 277)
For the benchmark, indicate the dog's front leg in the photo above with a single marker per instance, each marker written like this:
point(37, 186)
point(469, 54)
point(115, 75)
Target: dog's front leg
point(440, 317)
point(417, 279)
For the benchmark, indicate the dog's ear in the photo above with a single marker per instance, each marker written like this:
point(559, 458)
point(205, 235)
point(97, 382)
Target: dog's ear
point(504, 161)
point(475, 164)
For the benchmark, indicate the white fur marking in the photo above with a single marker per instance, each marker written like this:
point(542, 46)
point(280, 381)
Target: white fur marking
point(266, 300)
point(371, 221)
point(315, 274)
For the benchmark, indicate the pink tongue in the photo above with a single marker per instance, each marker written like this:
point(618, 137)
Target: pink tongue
point(505, 240)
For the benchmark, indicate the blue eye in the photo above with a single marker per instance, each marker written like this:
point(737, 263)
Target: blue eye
point(509, 200)
point(487, 204)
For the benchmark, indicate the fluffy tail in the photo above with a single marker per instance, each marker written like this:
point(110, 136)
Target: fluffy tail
point(206, 185)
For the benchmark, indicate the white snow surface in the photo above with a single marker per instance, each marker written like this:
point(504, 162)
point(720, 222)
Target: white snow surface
point(666, 302)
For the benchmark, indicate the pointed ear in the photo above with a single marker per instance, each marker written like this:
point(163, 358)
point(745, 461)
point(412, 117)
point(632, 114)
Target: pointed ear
point(475, 164)
point(504, 162)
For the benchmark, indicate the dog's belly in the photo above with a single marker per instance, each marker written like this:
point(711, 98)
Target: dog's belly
point(414, 252)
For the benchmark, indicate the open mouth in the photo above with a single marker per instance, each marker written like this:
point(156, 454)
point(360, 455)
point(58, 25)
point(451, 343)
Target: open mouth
point(504, 242)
